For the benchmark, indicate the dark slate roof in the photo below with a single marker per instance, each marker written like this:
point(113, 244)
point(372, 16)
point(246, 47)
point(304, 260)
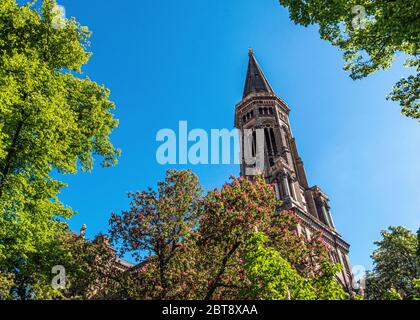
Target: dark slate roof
point(255, 79)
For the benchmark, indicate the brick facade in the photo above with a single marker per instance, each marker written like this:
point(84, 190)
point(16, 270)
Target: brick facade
point(261, 108)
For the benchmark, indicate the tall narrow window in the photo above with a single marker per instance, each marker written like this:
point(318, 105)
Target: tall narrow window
point(286, 186)
point(280, 189)
point(254, 144)
point(320, 211)
point(268, 141)
point(292, 189)
point(273, 141)
point(277, 190)
point(327, 216)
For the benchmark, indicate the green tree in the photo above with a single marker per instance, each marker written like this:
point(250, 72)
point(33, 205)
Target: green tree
point(92, 269)
point(159, 230)
point(416, 285)
point(396, 265)
point(193, 246)
point(227, 220)
point(51, 119)
point(326, 285)
point(371, 33)
point(392, 294)
point(6, 284)
point(273, 277)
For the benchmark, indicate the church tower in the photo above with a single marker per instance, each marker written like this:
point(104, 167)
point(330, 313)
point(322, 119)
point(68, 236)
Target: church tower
point(265, 119)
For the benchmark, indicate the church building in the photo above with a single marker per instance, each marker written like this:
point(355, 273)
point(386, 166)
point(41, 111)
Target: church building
point(262, 110)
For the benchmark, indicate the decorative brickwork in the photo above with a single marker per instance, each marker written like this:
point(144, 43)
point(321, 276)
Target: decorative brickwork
point(261, 108)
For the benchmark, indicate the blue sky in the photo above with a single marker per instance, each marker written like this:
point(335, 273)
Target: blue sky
point(166, 61)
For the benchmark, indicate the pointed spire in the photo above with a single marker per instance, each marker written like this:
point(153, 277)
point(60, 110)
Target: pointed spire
point(255, 78)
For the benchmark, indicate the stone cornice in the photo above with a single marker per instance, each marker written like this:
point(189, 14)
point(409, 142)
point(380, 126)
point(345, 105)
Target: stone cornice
point(260, 99)
point(331, 236)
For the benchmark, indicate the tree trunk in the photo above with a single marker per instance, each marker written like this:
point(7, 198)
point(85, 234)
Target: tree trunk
point(216, 282)
point(10, 155)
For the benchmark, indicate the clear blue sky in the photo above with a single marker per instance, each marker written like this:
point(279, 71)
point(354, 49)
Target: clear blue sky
point(167, 61)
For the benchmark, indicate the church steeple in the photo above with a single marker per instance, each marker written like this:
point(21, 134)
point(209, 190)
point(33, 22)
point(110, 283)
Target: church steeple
point(256, 82)
point(266, 137)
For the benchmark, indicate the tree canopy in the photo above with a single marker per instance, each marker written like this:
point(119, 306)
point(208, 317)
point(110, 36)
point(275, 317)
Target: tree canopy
point(193, 246)
point(273, 278)
point(371, 33)
point(396, 270)
point(52, 119)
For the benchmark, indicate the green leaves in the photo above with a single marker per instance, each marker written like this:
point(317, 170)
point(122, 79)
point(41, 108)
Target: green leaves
point(50, 119)
point(194, 246)
point(273, 278)
point(160, 228)
point(392, 294)
point(390, 27)
point(406, 91)
point(6, 284)
point(396, 265)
